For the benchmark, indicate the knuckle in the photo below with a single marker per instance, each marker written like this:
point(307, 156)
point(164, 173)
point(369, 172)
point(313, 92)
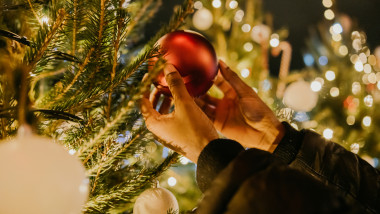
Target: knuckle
point(175, 82)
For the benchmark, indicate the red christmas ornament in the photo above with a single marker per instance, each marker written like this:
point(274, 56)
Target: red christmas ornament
point(193, 56)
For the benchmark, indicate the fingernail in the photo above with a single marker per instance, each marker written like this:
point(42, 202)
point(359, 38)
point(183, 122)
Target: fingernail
point(222, 64)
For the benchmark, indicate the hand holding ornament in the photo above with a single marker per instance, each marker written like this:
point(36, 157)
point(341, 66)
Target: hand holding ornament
point(186, 130)
point(241, 115)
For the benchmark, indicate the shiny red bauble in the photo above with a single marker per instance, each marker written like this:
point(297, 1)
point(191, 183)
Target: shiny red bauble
point(193, 56)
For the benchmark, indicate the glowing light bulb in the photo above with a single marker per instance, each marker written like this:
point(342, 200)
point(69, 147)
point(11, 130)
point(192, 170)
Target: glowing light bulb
point(172, 181)
point(216, 3)
point(244, 73)
point(367, 120)
point(316, 86)
point(330, 75)
point(368, 100)
point(356, 88)
point(198, 5)
point(45, 20)
point(350, 120)
point(239, 15)
point(337, 28)
point(328, 133)
point(334, 91)
point(246, 28)
point(367, 68)
point(359, 66)
point(248, 46)
point(275, 40)
point(343, 50)
point(327, 3)
point(233, 4)
point(355, 148)
point(184, 160)
point(329, 14)
point(372, 78)
point(72, 151)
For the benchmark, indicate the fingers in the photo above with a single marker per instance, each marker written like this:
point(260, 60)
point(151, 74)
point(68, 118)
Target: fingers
point(175, 83)
point(224, 86)
point(165, 105)
point(209, 110)
point(241, 89)
point(147, 110)
point(154, 97)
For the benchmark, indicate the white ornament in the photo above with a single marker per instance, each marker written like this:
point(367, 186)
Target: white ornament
point(202, 19)
point(155, 201)
point(39, 176)
point(300, 97)
point(260, 33)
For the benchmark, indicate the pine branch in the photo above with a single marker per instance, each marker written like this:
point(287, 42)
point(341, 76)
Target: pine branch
point(46, 39)
point(13, 36)
point(126, 191)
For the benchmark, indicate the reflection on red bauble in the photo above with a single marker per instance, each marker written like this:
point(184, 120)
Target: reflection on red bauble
point(193, 56)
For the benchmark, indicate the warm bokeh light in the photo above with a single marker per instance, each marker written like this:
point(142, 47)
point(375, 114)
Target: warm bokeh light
point(330, 75)
point(329, 14)
point(367, 120)
point(334, 91)
point(328, 133)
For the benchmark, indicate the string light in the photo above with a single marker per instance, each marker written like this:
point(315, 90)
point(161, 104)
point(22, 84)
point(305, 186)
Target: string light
point(359, 66)
point(372, 60)
point(368, 100)
point(350, 120)
point(323, 60)
point(334, 91)
point(172, 181)
point(330, 75)
point(216, 3)
point(45, 20)
point(337, 37)
point(378, 85)
point(343, 50)
point(329, 14)
point(355, 148)
point(363, 57)
point(367, 120)
point(275, 40)
point(327, 3)
point(356, 88)
point(315, 86)
point(198, 5)
point(328, 133)
point(367, 68)
point(246, 28)
point(233, 4)
point(244, 73)
point(239, 16)
point(372, 78)
point(337, 28)
point(248, 46)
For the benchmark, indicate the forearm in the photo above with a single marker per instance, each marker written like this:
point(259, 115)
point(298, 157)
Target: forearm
point(331, 164)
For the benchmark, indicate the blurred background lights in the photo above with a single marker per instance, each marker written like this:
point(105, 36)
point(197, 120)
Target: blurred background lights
point(216, 3)
point(184, 160)
point(244, 73)
point(327, 3)
point(323, 60)
point(330, 75)
point(378, 85)
point(233, 4)
point(350, 120)
point(334, 91)
point(316, 86)
point(372, 60)
point(343, 50)
point(172, 181)
point(198, 5)
point(275, 40)
point(246, 28)
point(202, 19)
point(367, 68)
point(239, 15)
point(337, 28)
point(368, 100)
point(363, 57)
point(328, 133)
point(367, 120)
point(372, 78)
point(248, 46)
point(308, 59)
point(356, 88)
point(355, 148)
point(359, 66)
point(72, 151)
point(45, 20)
point(337, 37)
point(329, 14)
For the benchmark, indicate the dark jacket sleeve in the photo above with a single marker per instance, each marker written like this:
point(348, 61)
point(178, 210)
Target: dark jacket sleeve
point(254, 181)
point(333, 165)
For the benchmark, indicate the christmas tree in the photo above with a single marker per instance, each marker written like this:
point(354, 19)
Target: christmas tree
point(78, 67)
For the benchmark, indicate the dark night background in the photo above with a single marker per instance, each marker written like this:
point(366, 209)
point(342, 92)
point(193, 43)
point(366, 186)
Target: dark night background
point(298, 16)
